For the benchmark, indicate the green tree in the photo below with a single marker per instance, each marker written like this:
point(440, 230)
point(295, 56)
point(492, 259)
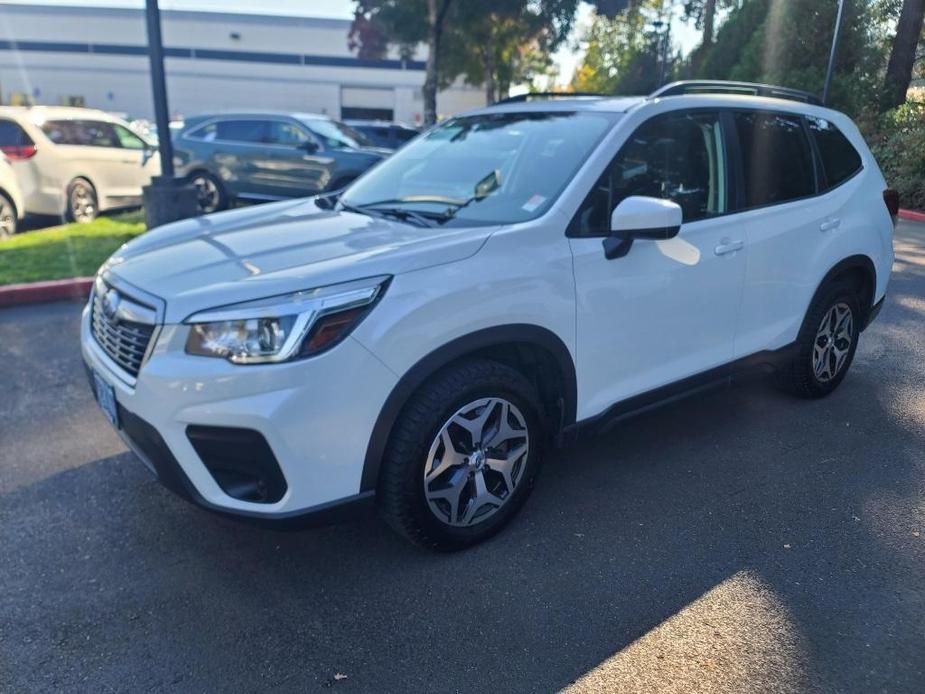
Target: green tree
point(497, 43)
point(493, 43)
point(625, 52)
point(903, 53)
point(788, 43)
point(405, 23)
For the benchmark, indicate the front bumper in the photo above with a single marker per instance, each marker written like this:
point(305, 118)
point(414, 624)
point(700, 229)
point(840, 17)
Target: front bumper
point(316, 416)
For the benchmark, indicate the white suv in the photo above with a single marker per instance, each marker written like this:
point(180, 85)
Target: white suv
point(514, 276)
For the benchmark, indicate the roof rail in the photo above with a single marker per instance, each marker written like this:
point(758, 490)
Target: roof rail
point(726, 87)
point(530, 96)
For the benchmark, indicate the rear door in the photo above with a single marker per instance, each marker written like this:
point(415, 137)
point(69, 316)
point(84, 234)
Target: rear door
point(668, 309)
point(786, 224)
point(90, 149)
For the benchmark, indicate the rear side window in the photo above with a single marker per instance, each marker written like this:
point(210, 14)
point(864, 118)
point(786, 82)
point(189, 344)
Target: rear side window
point(776, 158)
point(840, 159)
point(11, 135)
point(241, 130)
point(81, 132)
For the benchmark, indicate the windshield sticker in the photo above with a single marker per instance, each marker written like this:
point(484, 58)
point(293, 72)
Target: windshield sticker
point(534, 202)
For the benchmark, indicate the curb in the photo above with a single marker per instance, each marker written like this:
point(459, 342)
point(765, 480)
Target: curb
point(77, 288)
point(912, 215)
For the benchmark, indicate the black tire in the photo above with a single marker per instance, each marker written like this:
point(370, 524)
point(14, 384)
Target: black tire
point(211, 193)
point(8, 220)
point(401, 496)
point(82, 202)
point(799, 377)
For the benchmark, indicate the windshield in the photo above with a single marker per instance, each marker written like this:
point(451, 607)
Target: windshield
point(496, 168)
point(334, 135)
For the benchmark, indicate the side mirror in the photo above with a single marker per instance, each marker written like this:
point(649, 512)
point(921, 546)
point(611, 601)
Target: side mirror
point(310, 146)
point(640, 217)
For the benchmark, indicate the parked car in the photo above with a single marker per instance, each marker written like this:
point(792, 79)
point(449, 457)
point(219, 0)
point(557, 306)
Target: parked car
point(383, 133)
point(11, 205)
point(514, 277)
point(260, 156)
point(75, 162)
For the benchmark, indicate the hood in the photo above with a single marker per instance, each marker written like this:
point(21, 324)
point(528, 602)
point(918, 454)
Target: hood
point(262, 251)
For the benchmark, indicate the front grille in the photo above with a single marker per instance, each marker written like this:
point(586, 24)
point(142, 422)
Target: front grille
point(124, 341)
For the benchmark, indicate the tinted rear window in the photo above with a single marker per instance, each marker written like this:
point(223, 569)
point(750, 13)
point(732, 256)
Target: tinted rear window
point(839, 158)
point(11, 135)
point(241, 130)
point(81, 132)
point(776, 157)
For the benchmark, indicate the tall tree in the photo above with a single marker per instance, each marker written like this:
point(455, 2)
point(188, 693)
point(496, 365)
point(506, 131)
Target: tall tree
point(903, 53)
point(405, 23)
point(496, 43)
point(703, 14)
point(378, 24)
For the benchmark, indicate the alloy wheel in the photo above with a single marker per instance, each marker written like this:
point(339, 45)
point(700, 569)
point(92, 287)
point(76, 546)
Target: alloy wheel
point(833, 342)
point(476, 461)
point(7, 219)
point(83, 203)
point(207, 193)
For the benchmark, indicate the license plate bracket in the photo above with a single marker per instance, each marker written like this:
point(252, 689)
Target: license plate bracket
point(106, 398)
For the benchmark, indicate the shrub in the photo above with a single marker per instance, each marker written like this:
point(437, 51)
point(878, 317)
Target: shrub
point(897, 139)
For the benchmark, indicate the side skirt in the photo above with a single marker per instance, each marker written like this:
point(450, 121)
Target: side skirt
point(760, 362)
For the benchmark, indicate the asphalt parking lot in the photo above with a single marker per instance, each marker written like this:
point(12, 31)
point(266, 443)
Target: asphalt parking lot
point(739, 541)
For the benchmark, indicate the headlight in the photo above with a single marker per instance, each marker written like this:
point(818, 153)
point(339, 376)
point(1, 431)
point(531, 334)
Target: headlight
point(283, 327)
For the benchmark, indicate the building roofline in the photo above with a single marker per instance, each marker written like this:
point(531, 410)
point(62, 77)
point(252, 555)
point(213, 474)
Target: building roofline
point(167, 14)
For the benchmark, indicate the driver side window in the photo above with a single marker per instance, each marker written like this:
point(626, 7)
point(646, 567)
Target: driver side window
point(677, 156)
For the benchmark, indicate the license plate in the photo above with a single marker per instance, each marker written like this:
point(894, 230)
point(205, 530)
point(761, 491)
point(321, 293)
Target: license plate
point(106, 397)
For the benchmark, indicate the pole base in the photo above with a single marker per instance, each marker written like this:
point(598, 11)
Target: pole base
point(168, 200)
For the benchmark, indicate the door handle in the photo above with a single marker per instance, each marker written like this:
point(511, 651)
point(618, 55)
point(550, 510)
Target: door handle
point(728, 246)
point(833, 223)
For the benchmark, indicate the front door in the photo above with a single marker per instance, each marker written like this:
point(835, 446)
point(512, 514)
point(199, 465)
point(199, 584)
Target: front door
point(668, 309)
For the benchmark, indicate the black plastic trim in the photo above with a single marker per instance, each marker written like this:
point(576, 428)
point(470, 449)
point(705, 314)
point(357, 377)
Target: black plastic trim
point(241, 462)
point(672, 392)
point(518, 333)
point(154, 452)
point(873, 313)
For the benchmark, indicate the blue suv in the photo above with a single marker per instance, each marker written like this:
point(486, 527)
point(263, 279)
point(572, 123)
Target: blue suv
point(261, 156)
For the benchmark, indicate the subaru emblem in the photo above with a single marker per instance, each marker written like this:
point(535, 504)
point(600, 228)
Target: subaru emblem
point(111, 301)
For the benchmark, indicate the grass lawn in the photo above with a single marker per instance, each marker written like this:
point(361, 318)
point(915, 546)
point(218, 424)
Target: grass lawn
point(71, 250)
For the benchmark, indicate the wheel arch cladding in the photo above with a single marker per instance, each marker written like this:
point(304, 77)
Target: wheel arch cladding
point(860, 272)
point(530, 349)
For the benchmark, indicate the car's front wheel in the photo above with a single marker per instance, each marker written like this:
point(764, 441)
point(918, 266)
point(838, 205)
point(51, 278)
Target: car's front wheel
point(463, 456)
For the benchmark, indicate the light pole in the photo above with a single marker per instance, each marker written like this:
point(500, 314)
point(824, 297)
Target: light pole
point(833, 52)
point(166, 199)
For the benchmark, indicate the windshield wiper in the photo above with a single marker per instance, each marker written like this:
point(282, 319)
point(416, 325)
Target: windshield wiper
point(405, 215)
point(394, 212)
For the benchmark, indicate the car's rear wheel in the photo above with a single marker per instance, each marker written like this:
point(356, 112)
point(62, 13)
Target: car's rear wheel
point(826, 343)
point(210, 193)
point(8, 219)
point(82, 203)
point(462, 457)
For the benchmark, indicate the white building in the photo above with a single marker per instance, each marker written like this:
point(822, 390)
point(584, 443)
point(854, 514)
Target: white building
point(97, 57)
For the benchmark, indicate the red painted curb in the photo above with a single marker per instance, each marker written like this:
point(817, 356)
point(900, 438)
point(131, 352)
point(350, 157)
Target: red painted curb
point(912, 215)
point(52, 290)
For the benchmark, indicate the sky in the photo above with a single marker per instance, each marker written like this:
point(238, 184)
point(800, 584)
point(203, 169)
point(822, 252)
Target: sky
point(566, 58)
